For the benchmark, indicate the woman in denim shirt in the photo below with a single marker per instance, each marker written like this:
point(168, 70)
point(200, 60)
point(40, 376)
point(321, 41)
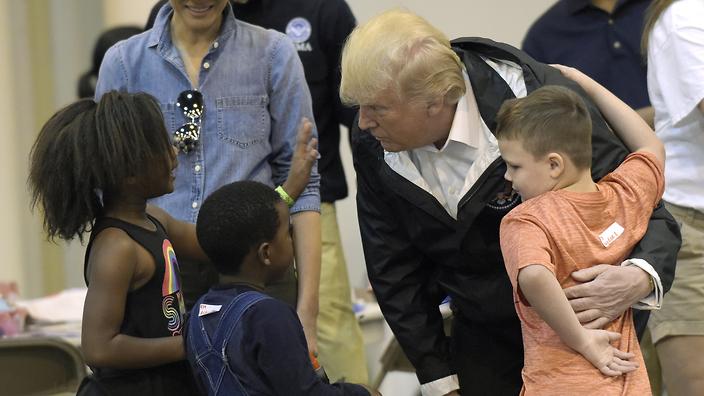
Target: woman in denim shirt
point(254, 95)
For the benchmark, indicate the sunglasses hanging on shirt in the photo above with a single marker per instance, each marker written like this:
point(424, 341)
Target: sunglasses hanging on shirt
point(187, 136)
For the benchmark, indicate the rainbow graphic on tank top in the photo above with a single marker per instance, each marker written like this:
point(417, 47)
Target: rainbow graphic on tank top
point(171, 280)
point(172, 304)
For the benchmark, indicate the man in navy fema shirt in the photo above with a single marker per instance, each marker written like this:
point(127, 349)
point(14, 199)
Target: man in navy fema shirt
point(602, 39)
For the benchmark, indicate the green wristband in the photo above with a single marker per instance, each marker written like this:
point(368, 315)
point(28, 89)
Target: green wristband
point(284, 195)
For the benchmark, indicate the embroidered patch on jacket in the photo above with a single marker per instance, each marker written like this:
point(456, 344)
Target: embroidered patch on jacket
point(611, 234)
point(506, 199)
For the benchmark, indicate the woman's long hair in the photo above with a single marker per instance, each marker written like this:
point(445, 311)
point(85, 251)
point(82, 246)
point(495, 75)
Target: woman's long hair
point(655, 9)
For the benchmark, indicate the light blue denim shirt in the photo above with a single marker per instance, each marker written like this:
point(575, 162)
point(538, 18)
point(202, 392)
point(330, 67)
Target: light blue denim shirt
point(255, 95)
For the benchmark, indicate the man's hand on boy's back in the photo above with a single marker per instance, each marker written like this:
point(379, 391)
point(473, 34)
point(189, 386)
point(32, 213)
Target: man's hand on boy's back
point(607, 292)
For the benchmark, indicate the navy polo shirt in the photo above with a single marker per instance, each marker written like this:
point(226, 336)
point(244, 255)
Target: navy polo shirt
point(604, 46)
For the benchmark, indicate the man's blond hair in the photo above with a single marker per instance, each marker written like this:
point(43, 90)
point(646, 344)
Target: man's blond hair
point(401, 51)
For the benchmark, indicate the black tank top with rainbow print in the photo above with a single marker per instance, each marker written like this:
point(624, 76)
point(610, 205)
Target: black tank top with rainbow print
point(156, 309)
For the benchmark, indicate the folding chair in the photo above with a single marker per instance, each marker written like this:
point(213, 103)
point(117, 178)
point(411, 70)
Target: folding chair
point(39, 366)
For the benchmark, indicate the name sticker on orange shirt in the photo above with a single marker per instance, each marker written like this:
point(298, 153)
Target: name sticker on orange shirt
point(611, 234)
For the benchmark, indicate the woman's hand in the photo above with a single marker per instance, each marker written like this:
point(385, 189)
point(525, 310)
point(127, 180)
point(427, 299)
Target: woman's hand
point(304, 156)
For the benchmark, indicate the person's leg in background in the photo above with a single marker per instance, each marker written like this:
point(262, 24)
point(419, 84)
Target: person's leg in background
point(340, 342)
point(678, 328)
point(652, 363)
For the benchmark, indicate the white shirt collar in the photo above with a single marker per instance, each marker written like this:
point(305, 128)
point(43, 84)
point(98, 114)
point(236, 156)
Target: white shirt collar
point(466, 123)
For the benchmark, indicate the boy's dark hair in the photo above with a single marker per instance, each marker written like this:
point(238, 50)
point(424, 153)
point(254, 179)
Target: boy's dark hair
point(235, 219)
point(552, 118)
point(88, 148)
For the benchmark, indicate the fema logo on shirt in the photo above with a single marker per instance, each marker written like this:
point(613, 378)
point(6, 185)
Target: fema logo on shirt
point(299, 31)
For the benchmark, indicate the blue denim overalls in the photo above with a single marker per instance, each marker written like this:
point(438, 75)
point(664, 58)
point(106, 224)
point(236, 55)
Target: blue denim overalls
point(210, 351)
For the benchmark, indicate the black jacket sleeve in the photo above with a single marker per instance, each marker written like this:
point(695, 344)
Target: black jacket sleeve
point(403, 280)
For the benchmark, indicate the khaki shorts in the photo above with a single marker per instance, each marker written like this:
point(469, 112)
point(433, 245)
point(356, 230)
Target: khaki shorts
point(682, 310)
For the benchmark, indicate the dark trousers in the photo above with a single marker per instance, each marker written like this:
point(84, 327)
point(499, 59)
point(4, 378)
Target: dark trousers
point(487, 358)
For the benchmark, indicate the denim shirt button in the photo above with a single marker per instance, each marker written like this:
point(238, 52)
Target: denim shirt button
point(206, 65)
point(194, 204)
point(215, 44)
point(196, 168)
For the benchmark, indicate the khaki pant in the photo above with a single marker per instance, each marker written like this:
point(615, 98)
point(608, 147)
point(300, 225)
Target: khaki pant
point(340, 343)
point(682, 310)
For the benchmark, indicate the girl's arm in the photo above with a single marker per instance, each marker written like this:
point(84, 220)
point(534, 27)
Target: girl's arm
point(181, 234)
point(627, 124)
point(113, 270)
point(545, 295)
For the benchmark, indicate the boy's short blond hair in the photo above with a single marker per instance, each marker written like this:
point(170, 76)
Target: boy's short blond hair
point(401, 51)
point(550, 119)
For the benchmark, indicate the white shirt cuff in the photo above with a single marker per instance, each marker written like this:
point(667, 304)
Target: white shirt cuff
point(441, 386)
point(653, 300)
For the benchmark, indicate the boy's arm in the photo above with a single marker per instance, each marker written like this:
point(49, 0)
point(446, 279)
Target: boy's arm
point(635, 133)
point(539, 286)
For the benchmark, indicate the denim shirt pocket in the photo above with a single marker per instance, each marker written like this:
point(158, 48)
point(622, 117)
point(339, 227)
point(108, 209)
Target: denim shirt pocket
point(243, 120)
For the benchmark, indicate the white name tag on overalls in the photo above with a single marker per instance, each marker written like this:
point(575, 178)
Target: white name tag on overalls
point(611, 234)
point(207, 309)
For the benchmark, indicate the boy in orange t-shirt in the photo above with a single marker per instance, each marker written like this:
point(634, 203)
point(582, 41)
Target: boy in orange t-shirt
point(568, 222)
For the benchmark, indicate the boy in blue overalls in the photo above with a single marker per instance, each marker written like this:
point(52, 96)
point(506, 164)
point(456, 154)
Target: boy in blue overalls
point(241, 341)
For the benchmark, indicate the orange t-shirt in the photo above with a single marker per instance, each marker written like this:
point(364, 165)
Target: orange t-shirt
point(567, 231)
